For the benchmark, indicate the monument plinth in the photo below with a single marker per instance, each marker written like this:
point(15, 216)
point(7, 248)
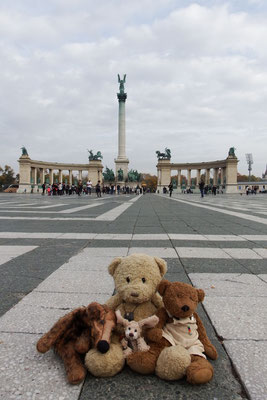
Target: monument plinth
point(121, 162)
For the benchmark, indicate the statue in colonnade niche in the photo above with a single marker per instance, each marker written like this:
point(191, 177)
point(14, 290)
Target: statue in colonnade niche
point(108, 175)
point(134, 176)
point(120, 175)
point(164, 156)
point(94, 157)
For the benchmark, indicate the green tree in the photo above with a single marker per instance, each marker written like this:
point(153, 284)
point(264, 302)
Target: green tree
point(7, 176)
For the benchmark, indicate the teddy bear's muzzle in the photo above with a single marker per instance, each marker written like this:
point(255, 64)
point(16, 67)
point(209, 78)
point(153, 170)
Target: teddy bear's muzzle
point(102, 346)
point(185, 308)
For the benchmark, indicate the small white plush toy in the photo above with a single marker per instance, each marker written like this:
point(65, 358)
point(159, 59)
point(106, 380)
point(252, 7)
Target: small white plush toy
point(133, 341)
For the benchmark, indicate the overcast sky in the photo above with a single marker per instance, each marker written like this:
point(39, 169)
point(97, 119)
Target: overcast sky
point(196, 80)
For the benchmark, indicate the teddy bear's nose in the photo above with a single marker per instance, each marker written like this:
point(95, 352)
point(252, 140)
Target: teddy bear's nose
point(131, 334)
point(185, 308)
point(135, 294)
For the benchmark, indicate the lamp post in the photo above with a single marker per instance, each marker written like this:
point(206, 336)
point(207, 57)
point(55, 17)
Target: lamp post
point(249, 159)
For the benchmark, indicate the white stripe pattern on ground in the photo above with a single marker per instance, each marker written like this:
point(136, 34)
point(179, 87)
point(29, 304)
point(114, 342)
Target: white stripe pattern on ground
point(213, 208)
point(117, 211)
point(130, 236)
point(76, 209)
point(10, 252)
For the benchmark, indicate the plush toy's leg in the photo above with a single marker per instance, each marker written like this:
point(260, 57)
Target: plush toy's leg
point(144, 362)
point(72, 361)
point(105, 364)
point(173, 362)
point(199, 371)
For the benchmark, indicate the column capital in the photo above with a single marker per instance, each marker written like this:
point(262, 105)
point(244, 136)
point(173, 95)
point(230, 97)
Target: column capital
point(122, 97)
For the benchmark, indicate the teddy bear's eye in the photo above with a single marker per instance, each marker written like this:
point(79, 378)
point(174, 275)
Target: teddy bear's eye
point(143, 280)
point(135, 330)
point(129, 329)
point(128, 279)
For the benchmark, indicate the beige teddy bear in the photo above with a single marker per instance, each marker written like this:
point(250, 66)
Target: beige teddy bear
point(136, 279)
point(133, 339)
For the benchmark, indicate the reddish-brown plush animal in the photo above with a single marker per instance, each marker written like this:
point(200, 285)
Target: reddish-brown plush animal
point(75, 333)
point(179, 324)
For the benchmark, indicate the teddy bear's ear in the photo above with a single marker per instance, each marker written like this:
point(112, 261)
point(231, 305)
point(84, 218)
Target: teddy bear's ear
point(112, 267)
point(201, 295)
point(162, 265)
point(163, 286)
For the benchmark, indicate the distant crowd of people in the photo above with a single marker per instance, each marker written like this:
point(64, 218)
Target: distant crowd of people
point(59, 189)
point(204, 189)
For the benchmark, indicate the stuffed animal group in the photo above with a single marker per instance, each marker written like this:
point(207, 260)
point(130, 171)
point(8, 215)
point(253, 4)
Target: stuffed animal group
point(172, 349)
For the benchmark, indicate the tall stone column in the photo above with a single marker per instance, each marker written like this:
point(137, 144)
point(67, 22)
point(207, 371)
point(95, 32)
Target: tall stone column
point(215, 176)
point(80, 175)
point(179, 178)
point(24, 174)
point(60, 175)
point(70, 177)
point(122, 161)
point(189, 178)
point(198, 176)
point(207, 176)
point(51, 176)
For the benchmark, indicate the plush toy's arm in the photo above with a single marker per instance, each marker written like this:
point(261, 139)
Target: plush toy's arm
point(210, 350)
point(155, 334)
point(114, 301)
point(157, 300)
point(141, 344)
point(48, 339)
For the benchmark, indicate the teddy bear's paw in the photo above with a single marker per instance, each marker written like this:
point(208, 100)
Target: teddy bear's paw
point(76, 375)
point(107, 364)
point(154, 334)
point(173, 363)
point(200, 371)
point(211, 352)
point(127, 352)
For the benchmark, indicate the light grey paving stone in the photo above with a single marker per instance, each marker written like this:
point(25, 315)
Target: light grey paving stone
point(247, 254)
point(262, 252)
point(263, 277)
point(225, 238)
point(62, 300)
point(77, 236)
point(155, 236)
point(5, 258)
point(105, 251)
point(201, 252)
point(85, 262)
point(229, 285)
point(163, 252)
point(113, 236)
point(255, 237)
point(238, 317)
point(249, 358)
point(27, 319)
point(75, 282)
point(15, 251)
point(28, 375)
point(186, 236)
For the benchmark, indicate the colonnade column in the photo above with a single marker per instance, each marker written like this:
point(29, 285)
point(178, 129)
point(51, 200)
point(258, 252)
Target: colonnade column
point(42, 175)
point(80, 175)
point(189, 178)
point(179, 178)
point(70, 177)
point(198, 177)
point(51, 176)
point(222, 176)
point(215, 176)
point(207, 176)
point(60, 175)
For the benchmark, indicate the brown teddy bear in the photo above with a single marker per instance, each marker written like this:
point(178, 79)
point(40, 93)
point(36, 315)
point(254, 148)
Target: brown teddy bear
point(179, 324)
point(74, 334)
point(136, 279)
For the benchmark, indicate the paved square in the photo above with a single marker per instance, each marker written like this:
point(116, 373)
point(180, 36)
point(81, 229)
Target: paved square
point(54, 257)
